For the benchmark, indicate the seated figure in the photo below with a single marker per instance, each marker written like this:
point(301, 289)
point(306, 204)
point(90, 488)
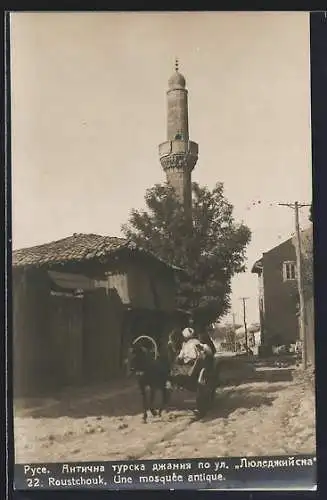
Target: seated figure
point(197, 352)
point(188, 353)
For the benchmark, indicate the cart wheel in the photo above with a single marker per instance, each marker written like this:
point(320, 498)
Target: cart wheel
point(149, 343)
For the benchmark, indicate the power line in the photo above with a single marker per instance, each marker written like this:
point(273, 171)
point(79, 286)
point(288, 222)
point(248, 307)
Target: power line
point(294, 205)
point(264, 204)
point(234, 332)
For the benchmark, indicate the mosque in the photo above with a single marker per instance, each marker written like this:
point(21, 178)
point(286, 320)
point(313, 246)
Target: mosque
point(178, 155)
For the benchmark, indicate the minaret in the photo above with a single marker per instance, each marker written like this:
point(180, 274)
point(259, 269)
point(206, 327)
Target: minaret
point(178, 155)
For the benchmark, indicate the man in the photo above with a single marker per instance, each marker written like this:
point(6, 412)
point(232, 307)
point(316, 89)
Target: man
point(189, 330)
point(188, 352)
point(197, 351)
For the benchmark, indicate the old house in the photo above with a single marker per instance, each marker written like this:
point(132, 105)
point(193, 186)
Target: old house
point(278, 293)
point(77, 305)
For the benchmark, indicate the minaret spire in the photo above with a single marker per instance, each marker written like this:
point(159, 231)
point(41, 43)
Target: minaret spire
point(178, 155)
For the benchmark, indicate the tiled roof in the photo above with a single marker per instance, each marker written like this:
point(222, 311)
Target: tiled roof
point(76, 248)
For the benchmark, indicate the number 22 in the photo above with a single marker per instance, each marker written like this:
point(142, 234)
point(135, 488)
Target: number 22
point(35, 482)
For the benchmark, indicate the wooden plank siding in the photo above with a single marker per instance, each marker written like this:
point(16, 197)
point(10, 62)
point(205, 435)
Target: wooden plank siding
point(22, 335)
point(31, 352)
point(66, 327)
point(142, 291)
point(103, 321)
point(61, 339)
point(167, 294)
point(280, 297)
point(136, 287)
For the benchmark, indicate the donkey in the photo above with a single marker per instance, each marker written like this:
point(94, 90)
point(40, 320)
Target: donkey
point(152, 372)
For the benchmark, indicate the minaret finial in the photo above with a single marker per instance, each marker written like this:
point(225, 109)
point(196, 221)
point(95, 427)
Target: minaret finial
point(176, 64)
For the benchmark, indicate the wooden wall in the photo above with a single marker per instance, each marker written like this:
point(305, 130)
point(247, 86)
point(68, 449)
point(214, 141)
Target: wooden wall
point(150, 290)
point(66, 340)
point(103, 325)
point(280, 297)
point(31, 353)
point(141, 290)
point(166, 290)
point(62, 340)
point(22, 352)
point(141, 287)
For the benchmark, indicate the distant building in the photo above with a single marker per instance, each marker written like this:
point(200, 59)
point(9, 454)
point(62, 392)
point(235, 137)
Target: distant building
point(278, 295)
point(253, 337)
point(278, 291)
point(77, 305)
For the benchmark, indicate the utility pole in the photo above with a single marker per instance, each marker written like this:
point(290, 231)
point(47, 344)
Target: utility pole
point(244, 299)
point(234, 332)
point(296, 206)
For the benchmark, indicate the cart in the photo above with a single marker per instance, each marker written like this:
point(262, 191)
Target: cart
point(199, 376)
point(196, 378)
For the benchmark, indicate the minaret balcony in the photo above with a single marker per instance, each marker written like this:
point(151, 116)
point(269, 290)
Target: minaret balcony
point(178, 147)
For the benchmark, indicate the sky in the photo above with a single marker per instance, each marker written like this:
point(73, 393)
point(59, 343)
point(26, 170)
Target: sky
point(88, 112)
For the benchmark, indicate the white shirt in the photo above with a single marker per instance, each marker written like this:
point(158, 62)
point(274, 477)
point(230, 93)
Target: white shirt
point(188, 351)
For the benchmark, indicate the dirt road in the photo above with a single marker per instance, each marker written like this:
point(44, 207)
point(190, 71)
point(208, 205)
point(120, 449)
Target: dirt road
point(271, 414)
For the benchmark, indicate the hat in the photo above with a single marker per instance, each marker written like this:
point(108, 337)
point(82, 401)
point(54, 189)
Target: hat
point(188, 333)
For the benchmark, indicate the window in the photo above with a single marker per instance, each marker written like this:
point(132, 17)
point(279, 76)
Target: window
point(289, 271)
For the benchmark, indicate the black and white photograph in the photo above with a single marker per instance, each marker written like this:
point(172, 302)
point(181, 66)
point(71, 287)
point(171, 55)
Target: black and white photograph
point(162, 239)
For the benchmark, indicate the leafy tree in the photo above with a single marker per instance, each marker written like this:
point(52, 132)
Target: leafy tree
point(211, 251)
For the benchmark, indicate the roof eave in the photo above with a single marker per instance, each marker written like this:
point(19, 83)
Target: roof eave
point(257, 267)
point(140, 251)
point(172, 267)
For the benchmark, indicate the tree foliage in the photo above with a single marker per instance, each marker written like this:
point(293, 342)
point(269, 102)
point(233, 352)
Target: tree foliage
point(210, 252)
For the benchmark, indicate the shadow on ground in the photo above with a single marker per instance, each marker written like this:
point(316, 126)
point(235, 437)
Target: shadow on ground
point(111, 407)
point(271, 375)
point(129, 403)
point(242, 399)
